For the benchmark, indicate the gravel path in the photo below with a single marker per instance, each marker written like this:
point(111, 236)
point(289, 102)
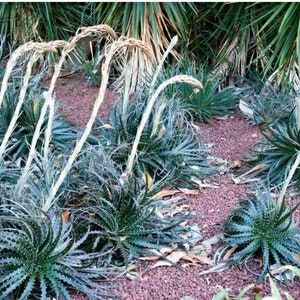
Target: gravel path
point(231, 138)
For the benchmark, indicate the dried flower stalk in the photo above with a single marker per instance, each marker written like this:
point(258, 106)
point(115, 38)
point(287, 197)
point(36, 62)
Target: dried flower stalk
point(111, 50)
point(176, 79)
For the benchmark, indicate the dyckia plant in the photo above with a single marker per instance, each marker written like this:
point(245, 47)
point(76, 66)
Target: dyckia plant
point(213, 99)
point(39, 257)
point(168, 143)
point(262, 228)
point(122, 216)
point(278, 150)
point(63, 135)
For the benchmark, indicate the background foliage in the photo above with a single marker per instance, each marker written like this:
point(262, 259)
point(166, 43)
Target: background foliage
point(237, 36)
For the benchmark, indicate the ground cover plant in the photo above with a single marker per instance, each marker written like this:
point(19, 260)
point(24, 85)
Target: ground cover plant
point(125, 218)
point(213, 99)
point(40, 257)
point(278, 151)
point(260, 227)
point(63, 134)
point(275, 112)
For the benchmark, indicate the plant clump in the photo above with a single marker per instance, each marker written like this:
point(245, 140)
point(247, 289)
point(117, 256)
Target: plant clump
point(63, 135)
point(213, 99)
point(73, 205)
point(278, 150)
point(169, 145)
point(40, 258)
point(261, 228)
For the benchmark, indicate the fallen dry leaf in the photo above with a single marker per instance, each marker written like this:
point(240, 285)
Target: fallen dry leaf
point(213, 163)
point(229, 253)
point(150, 258)
point(204, 185)
point(197, 249)
point(218, 268)
point(246, 110)
point(107, 126)
point(221, 118)
point(244, 181)
point(209, 242)
point(65, 216)
point(171, 259)
point(167, 250)
point(296, 257)
point(162, 132)
point(236, 164)
point(147, 179)
point(188, 191)
point(240, 179)
point(159, 254)
point(254, 169)
point(199, 259)
point(166, 193)
point(133, 276)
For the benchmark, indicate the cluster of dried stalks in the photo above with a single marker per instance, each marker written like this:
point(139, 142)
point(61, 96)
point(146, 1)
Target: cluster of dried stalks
point(31, 53)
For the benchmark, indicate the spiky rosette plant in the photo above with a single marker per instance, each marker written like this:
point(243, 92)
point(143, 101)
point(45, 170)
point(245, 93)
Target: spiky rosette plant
point(213, 99)
point(123, 215)
point(278, 150)
point(63, 134)
point(8, 174)
point(40, 258)
point(270, 103)
point(168, 144)
point(262, 228)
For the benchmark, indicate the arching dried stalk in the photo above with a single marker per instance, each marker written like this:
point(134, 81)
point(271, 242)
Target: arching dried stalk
point(154, 96)
point(111, 50)
point(38, 49)
point(69, 47)
point(288, 179)
point(176, 79)
point(161, 62)
point(23, 50)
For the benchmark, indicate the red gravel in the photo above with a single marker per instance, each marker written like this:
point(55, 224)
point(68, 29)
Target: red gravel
point(231, 138)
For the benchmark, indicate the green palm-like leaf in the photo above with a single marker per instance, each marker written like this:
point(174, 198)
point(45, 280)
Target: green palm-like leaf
point(261, 227)
point(150, 22)
point(283, 36)
point(23, 22)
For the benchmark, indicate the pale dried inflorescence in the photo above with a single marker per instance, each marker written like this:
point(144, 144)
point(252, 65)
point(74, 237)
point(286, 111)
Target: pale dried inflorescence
point(115, 48)
point(111, 50)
